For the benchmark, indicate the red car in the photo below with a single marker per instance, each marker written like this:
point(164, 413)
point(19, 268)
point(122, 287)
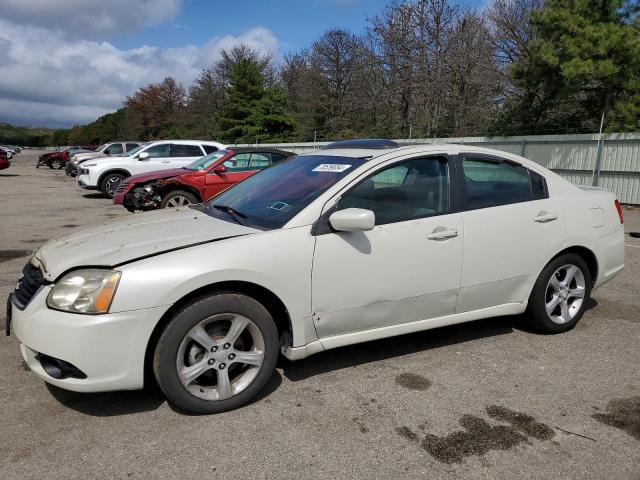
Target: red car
point(196, 183)
point(58, 160)
point(4, 160)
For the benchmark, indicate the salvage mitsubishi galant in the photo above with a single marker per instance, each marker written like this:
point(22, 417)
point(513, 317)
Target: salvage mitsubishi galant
point(341, 246)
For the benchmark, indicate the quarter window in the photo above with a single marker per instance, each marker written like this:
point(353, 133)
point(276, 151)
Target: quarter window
point(405, 191)
point(494, 182)
point(131, 146)
point(210, 148)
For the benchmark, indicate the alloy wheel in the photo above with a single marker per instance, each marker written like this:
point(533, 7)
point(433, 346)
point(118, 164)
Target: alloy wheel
point(565, 294)
point(220, 356)
point(178, 201)
point(111, 185)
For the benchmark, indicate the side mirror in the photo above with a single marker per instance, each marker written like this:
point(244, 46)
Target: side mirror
point(220, 169)
point(143, 156)
point(353, 220)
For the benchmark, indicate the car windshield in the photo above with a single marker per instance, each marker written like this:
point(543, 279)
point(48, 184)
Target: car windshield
point(102, 147)
point(207, 160)
point(272, 197)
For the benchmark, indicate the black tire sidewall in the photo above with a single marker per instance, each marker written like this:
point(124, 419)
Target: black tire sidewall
point(536, 309)
point(103, 183)
point(174, 193)
point(164, 363)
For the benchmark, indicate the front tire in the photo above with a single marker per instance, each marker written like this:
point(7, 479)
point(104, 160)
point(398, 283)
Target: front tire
point(178, 198)
point(56, 164)
point(110, 184)
point(560, 295)
point(217, 353)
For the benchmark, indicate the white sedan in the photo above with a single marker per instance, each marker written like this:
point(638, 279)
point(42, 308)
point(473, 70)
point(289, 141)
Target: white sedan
point(337, 247)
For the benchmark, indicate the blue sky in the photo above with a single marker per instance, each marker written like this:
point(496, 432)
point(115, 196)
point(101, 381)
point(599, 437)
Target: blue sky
point(67, 62)
point(296, 23)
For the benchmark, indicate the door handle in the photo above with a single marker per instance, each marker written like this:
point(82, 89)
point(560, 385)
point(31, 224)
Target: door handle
point(165, 161)
point(442, 234)
point(545, 217)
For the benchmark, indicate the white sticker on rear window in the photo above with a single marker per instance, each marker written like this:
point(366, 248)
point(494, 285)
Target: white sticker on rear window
point(331, 167)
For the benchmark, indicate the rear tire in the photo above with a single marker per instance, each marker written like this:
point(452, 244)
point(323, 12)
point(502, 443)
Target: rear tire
point(110, 184)
point(178, 198)
point(560, 295)
point(217, 353)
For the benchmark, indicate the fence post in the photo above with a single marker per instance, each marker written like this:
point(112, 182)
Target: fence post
point(523, 147)
point(596, 170)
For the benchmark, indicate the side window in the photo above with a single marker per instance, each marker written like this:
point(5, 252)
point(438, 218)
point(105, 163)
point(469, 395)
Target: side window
point(209, 149)
point(493, 182)
point(131, 146)
point(260, 160)
point(159, 151)
point(114, 149)
point(181, 150)
point(238, 163)
point(405, 191)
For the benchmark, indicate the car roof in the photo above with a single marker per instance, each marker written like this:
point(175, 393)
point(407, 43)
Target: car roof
point(185, 142)
point(259, 149)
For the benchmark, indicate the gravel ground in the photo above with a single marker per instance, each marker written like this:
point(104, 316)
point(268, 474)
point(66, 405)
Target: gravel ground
point(488, 399)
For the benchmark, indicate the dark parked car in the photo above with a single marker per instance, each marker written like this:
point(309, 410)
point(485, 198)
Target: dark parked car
point(195, 183)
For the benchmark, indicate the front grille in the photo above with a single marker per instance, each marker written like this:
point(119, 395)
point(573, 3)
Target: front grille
point(29, 283)
point(122, 187)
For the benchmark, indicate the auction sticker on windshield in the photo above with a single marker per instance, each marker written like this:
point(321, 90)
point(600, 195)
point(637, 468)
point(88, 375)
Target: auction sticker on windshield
point(331, 167)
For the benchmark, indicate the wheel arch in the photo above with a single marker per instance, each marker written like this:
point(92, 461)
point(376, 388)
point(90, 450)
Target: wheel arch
point(586, 254)
point(124, 172)
point(181, 186)
point(266, 297)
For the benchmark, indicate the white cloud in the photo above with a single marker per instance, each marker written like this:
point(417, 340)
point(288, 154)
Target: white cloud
point(89, 18)
point(48, 79)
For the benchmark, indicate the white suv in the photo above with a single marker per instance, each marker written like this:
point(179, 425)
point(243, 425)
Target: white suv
point(105, 174)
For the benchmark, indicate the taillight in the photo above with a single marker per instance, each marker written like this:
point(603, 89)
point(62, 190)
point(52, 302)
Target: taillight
point(619, 209)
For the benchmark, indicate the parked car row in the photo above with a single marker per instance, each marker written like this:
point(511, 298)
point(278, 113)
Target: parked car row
point(111, 149)
point(355, 242)
point(59, 159)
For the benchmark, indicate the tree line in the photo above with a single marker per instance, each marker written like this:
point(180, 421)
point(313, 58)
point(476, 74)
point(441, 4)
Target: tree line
point(422, 68)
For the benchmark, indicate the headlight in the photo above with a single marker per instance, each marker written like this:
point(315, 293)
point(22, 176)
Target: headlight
point(84, 291)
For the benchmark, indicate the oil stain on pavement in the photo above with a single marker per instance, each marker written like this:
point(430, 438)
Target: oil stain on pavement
point(413, 381)
point(623, 413)
point(479, 436)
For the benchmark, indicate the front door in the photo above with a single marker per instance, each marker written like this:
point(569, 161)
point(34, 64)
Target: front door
point(407, 268)
point(159, 157)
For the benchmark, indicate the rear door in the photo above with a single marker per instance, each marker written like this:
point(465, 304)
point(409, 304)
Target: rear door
point(184, 154)
point(511, 226)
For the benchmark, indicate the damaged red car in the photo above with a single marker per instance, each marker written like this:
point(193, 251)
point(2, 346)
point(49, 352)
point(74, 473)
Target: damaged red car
point(195, 183)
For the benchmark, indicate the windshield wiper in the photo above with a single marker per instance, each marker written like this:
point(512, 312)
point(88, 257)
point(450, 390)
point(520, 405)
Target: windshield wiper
point(236, 215)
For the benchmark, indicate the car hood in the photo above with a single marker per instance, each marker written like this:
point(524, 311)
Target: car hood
point(157, 175)
point(134, 237)
point(81, 157)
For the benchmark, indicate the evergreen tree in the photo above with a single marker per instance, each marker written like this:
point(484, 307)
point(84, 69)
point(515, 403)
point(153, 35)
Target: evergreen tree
point(584, 60)
point(271, 120)
point(245, 90)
